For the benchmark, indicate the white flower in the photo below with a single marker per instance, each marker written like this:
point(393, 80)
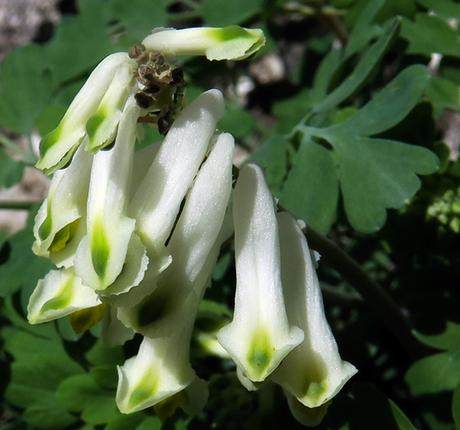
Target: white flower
point(59, 294)
point(314, 372)
point(227, 43)
point(158, 198)
point(260, 336)
point(58, 146)
point(59, 223)
point(111, 259)
point(161, 368)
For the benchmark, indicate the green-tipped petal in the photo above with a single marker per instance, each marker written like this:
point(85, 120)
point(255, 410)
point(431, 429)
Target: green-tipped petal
point(57, 147)
point(102, 126)
point(111, 258)
point(59, 294)
point(260, 336)
point(314, 372)
point(59, 223)
point(309, 417)
point(227, 43)
point(154, 374)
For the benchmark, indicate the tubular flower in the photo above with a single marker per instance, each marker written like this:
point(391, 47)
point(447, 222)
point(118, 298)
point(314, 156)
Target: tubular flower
point(57, 147)
point(314, 372)
point(136, 235)
point(170, 176)
point(228, 43)
point(59, 224)
point(161, 368)
point(260, 335)
point(110, 244)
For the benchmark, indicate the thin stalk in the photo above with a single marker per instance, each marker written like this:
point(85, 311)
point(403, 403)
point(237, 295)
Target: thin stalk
point(373, 294)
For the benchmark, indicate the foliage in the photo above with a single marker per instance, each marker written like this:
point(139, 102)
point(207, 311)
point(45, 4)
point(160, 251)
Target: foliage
point(352, 141)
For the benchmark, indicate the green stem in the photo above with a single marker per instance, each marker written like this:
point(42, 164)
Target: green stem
point(18, 205)
point(373, 294)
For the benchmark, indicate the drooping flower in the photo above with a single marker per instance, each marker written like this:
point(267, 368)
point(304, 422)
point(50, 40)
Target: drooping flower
point(227, 43)
point(58, 146)
point(260, 335)
point(313, 373)
point(111, 258)
point(157, 200)
point(161, 367)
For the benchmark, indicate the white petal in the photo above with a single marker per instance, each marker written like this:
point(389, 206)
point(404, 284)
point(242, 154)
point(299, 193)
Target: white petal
point(59, 294)
point(110, 244)
point(259, 336)
point(102, 126)
point(158, 199)
point(58, 147)
point(59, 223)
point(191, 243)
point(228, 43)
point(157, 372)
point(114, 333)
point(314, 371)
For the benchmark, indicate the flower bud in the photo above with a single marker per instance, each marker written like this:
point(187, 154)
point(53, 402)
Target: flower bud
point(227, 43)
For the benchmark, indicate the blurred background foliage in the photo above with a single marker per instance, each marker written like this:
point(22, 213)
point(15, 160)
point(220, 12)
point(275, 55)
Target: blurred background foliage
point(347, 103)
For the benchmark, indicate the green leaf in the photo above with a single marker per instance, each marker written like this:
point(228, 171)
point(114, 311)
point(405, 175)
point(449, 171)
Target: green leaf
point(12, 275)
point(10, 170)
point(448, 340)
point(272, 156)
point(80, 393)
point(444, 94)
point(363, 30)
point(377, 174)
point(433, 374)
point(25, 88)
point(456, 407)
point(224, 12)
point(23, 344)
point(37, 377)
point(311, 190)
point(445, 8)
point(365, 66)
point(288, 112)
point(237, 121)
point(140, 17)
point(150, 423)
point(429, 34)
point(100, 354)
point(80, 42)
point(46, 414)
point(390, 105)
point(124, 422)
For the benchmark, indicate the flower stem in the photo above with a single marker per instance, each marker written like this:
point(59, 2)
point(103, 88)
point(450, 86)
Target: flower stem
point(373, 294)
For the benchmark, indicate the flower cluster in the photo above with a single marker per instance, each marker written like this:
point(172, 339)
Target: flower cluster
point(135, 235)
